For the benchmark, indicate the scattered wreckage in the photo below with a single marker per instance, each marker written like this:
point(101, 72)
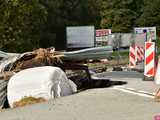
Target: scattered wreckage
point(39, 73)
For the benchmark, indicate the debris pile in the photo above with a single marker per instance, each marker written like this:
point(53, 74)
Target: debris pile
point(39, 57)
point(32, 73)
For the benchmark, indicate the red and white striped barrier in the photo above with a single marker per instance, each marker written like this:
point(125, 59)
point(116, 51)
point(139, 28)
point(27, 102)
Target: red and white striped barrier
point(142, 52)
point(132, 56)
point(157, 74)
point(157, 80)
point(149, 64)
point(136, 54)
point(139, 53)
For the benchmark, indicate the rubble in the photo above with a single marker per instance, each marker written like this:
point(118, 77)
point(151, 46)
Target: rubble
point(39, 57)
point(16, 63)
point(13, 63)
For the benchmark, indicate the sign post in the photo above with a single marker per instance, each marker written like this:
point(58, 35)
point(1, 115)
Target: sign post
point(79, 37)
point(102, 36)
point(148, 30)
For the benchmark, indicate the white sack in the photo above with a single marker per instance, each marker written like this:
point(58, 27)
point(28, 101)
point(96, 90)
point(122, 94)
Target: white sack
point(46, 82)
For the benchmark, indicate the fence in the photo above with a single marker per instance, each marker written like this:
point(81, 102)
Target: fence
point(123, 40)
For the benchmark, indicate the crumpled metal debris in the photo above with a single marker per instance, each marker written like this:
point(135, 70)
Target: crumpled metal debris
point(36, 58)
point(13, 63)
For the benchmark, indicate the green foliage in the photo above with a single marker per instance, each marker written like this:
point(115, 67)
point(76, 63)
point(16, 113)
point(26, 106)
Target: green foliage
point(21, 23)
point(150, 14)
point(30, 24)
point(158, 46)
point(124, 54)
point(118, 15)
point(62, 13)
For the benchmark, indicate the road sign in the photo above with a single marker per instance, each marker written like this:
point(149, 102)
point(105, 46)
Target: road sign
point(80, 36)
point(102, 36)
point(151, 30)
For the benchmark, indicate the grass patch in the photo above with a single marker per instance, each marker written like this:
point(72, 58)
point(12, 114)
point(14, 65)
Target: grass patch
point(122, 54)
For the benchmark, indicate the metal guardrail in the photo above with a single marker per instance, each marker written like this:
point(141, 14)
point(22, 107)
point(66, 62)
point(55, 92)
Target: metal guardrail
point(3, 92)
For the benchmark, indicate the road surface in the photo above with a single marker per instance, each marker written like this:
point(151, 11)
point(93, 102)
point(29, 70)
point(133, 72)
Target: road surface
point(94, 104)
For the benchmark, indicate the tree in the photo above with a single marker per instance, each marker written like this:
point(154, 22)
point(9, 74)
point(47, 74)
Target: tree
point(150, 14)
point(21, 24)
point(118, 15)
point(62, 13)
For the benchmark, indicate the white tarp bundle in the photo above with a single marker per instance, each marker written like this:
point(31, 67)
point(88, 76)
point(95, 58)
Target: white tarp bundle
point(46, 82)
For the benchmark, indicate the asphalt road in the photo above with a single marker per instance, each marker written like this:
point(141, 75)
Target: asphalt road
point(134, 80)
point(93, 104)
point(97, 104)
